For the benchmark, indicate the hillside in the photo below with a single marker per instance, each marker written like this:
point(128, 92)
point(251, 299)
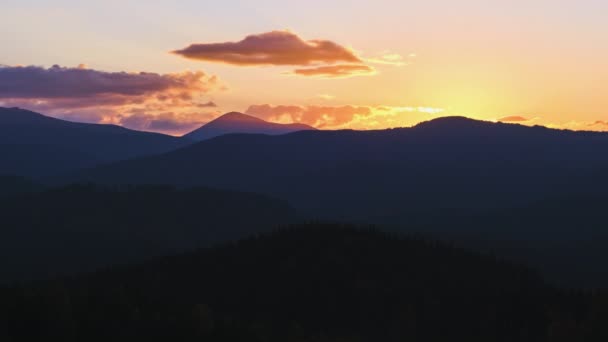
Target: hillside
point(469, 181)
point(34, 145)
point(445, 163)
point(307, 283)
point(80, 228)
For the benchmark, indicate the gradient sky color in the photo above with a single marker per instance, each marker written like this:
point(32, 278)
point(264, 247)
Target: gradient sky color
point(542, 61)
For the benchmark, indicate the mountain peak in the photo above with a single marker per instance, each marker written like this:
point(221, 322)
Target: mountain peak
point(457, 125)
point(235, 122)
point(16, 115)
point(236, 116)
point(453, 122)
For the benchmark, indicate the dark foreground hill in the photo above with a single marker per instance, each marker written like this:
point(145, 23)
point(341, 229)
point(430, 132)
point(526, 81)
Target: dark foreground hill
point(241, 123)
point(34, 145)
point(80, 228)
point(310, 283)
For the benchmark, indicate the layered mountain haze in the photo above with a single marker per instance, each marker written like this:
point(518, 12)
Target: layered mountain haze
point(445, 163)
point(472, 182)
point(311, 171)
point(241, 123)
point(39, 146)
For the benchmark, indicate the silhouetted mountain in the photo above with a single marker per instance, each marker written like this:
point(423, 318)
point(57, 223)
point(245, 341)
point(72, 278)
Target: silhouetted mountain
point(308, 283)
point(445, 163)
point(34, 145)
point(82, 227)
point(442, 168)
point(241, 123)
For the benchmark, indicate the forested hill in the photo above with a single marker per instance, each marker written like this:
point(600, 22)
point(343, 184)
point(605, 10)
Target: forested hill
point(80, 228)
point(307, 283)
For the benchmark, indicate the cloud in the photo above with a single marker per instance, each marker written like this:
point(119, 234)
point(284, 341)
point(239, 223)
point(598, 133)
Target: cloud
point(65, 83)
point(316, 58)
point(515, 118)
point(318, 116)
point(209, 104)
point(390, 58)
point(82, 94)
point(326, 97)
point(271, 48)
point(349, 116)
point(599, 123)
point(337, 71)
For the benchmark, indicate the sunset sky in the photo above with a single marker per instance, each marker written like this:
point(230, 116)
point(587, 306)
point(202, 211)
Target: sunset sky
point(170, 66)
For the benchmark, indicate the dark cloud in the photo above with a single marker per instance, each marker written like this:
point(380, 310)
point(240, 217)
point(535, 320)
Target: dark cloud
point(272, 48)
point(68, 83)
point(337, 71)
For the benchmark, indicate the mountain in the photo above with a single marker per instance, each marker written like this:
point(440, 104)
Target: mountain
point(241, 123)
point(444, 163)
point(307, 283)
point(81, 228)
point(34, 145)
point(463, 180)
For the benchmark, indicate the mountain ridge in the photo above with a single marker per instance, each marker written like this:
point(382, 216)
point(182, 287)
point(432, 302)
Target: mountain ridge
point(235, 122)
point(35, 145)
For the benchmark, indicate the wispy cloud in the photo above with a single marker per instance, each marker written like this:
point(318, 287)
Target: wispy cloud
point(326, 97)
point(515, 118)
point(337, 71)
point(389, 58)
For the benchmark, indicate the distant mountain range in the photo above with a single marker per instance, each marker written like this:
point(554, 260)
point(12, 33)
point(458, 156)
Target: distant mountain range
point(241, 123)
point(444, 163)
point(488, 185)
point(38, 146)
point(479, 184)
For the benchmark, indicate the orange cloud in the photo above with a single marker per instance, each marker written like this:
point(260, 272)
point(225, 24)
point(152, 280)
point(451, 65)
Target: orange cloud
point(87, 95)
point(337, 71)
point(271, 48)
point(317, 116)
point(350, 116)
point(600, 123)
point(514, 119)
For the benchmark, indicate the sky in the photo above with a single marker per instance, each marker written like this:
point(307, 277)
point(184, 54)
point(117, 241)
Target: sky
point(171, 66)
